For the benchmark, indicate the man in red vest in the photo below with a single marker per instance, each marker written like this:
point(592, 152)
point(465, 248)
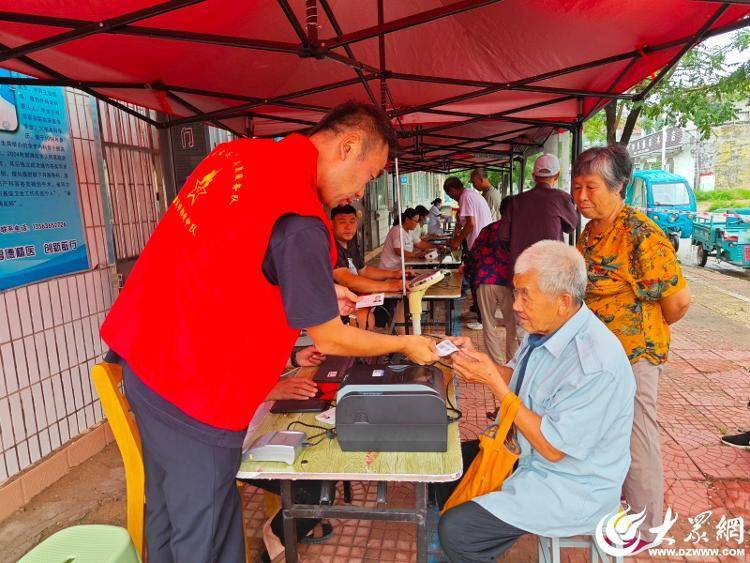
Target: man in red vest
point(211, 311)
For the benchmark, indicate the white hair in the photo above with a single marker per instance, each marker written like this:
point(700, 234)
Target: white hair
point(559, 266)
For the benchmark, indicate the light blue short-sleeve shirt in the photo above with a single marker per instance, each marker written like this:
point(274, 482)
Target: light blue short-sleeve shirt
point(580, 382)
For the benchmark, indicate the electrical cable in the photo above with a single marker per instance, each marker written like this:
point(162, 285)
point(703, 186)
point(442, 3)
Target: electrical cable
point(329, 433)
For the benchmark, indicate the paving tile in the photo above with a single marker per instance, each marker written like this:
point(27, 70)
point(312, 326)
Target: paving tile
point(702, 394)
point(721, 462)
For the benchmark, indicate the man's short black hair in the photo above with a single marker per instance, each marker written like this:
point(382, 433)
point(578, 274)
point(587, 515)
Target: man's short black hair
point(407, 213)
point(421, 211)
point(366, 117)
point(453, 183)
point(343, 210)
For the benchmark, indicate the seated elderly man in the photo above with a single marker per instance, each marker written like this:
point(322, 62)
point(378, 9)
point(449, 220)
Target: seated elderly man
point(573, 427)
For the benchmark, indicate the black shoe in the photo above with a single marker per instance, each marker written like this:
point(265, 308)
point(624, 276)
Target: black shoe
point(737, 440)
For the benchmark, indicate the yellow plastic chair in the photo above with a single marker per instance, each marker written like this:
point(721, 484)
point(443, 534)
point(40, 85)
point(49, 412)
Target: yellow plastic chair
point(107, 380)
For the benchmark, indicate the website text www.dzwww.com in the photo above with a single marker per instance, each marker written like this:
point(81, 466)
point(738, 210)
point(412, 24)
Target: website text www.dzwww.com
point(697, 552)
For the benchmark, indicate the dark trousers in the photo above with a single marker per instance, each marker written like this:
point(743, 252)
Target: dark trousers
point(468, 532)
point(193, 510)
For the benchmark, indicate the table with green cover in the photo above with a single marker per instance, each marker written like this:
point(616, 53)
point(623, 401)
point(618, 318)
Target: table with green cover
point(326, 462)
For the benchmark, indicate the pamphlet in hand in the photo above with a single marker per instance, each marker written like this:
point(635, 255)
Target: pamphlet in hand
point(372, 300)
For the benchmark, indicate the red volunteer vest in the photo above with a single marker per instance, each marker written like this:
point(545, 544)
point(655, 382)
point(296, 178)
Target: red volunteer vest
point(197, 320)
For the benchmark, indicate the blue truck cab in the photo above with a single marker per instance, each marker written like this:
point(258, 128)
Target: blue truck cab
point(666, 198)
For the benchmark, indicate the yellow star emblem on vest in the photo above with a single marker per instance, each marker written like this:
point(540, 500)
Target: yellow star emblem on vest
point(201, 185)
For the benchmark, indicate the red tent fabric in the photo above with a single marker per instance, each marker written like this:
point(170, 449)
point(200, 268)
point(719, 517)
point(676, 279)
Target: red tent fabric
point(467, 81)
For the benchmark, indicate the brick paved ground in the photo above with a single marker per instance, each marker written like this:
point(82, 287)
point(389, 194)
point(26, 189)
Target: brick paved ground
point(703, 393)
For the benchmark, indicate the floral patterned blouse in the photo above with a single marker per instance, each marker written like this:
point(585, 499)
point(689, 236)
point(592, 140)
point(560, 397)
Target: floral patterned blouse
point(631, 267)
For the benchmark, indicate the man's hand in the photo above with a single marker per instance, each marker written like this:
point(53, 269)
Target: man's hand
point(394, 286)
point(476, 367)
point(293, 388)
point(462, 343)
point(419, 349)
point(309, 357)
point(347, 300)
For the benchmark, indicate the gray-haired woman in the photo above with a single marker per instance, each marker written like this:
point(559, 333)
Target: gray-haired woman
point(637, 289)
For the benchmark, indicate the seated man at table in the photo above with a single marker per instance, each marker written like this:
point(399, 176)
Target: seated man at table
point(573, 427)
point(351, 270)
point(390, 257)
point(418, 234)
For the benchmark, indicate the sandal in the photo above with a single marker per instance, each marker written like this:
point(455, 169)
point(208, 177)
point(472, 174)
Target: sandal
point(312, 537)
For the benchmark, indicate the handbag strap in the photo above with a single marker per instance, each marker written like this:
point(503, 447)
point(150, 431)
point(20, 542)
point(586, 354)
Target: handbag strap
point(508, 410)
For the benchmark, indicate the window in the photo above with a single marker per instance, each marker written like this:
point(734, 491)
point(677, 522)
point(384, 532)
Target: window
point(674, 193)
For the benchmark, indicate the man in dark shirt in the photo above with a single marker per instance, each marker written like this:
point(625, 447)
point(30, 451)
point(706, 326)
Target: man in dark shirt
point(351, 270)
point(542, 213)
point(193, 391)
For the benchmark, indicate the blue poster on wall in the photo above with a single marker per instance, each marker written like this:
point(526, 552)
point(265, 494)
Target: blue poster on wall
point(41, 228)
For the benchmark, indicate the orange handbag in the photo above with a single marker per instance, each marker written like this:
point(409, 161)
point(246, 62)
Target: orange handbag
point(498, 452)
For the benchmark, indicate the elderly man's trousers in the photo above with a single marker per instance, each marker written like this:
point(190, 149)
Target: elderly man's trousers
point(468, 532)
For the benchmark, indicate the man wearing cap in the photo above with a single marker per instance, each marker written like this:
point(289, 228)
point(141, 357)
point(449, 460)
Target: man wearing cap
point(542, 213)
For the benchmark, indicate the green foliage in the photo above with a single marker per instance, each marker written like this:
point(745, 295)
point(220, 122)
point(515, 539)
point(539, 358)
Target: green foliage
point(704, 89)
point(729, 204)
point(723, 196)
point(595, 131)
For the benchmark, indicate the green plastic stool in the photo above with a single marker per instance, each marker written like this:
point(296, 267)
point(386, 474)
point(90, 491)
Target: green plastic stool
point(85, 544)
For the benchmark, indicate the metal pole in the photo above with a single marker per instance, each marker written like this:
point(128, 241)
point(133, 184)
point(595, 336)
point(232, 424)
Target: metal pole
point(577, 133)
point(522, 174)
point(400, 233)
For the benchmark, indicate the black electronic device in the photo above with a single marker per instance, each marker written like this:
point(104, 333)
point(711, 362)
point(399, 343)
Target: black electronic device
point(299, 405)
point(332, 369)
point(392, 408)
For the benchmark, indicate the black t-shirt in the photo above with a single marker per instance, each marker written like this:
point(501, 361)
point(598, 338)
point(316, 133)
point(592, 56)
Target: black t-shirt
point(298, 260)
point(351, 252)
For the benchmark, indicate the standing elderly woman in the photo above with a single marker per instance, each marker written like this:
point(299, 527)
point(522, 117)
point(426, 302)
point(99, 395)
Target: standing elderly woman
point(636, 288)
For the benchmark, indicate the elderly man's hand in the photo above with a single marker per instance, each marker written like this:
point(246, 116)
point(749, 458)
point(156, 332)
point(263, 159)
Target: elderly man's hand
point(462, 342)
point(346, 299)
point(475, 367)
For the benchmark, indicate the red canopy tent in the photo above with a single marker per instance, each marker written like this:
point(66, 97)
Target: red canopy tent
point(467, 82)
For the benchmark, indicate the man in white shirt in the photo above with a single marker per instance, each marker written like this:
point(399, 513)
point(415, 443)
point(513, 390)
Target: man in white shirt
point(390, 257)
point(473, 215)
point(473, 212)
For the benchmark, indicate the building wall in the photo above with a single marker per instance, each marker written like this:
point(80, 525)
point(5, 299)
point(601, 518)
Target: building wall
point(720, 162)
point(731, 148)
point(49, 331)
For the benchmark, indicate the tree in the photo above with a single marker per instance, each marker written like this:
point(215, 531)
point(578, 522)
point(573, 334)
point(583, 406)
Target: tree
point(703, 88)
